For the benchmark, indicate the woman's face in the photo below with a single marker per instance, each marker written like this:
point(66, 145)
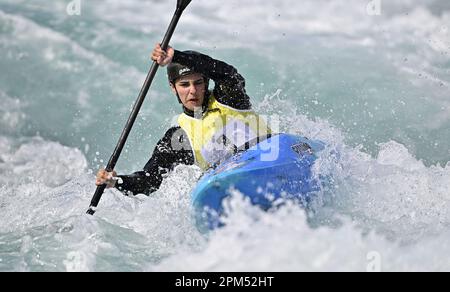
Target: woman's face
point(191, 90)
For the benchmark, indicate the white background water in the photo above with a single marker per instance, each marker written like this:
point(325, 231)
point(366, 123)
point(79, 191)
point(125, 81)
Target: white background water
point(373, 87)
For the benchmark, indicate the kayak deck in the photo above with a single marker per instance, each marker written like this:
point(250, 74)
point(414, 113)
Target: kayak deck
point(279, 167)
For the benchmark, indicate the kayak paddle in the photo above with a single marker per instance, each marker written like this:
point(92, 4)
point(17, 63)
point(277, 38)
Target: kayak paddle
point(181, 5)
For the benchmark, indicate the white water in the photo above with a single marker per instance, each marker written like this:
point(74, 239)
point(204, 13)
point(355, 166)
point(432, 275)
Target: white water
point(374, 88)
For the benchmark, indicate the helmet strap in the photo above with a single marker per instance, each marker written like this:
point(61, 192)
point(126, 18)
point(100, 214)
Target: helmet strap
point(178, 96)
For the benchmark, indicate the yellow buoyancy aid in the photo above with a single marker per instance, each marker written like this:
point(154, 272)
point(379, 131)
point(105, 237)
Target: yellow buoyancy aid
point(221, 131)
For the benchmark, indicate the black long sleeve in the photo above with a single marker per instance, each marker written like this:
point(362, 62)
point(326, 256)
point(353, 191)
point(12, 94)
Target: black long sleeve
point(229, 84)
point(173, 149)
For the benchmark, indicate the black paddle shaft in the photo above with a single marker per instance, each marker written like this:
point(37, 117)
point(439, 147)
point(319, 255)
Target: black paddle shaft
point(181, 5)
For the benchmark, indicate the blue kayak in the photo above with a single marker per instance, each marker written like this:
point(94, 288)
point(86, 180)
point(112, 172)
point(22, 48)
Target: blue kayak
point(275, 169)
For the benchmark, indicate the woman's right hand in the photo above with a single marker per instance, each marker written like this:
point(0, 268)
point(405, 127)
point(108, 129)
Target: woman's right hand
point(162, 57)
point(108, 178)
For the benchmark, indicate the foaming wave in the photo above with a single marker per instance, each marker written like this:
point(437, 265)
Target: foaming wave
point(254, 240)
point(166, 217)
point(392, 191)
point(36, 176)
point(43, 182)
point(45, 191)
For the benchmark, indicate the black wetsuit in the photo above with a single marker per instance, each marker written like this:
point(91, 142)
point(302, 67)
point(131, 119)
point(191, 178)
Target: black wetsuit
point(174, 148)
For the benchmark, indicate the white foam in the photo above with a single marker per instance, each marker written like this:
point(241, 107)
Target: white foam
point(395, 194)
point(31, 174)
point(283, 241)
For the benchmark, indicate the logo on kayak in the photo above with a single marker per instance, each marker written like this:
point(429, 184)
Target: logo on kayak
point(302, 149)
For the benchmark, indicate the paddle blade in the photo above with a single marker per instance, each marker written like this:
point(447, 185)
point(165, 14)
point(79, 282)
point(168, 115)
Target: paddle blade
point(182, 4)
